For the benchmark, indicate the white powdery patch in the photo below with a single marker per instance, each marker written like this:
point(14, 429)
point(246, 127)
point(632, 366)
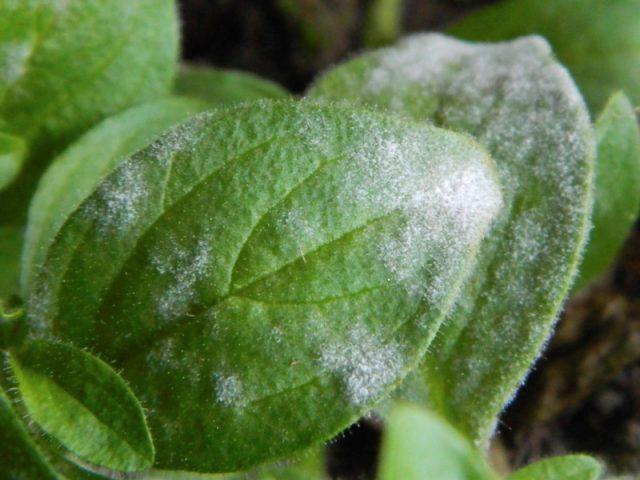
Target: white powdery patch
point(13, 60)
point(416, 62)
point(517, 101)
point(296, 223)
point(185, 267)
point(42, 306)
point(183, 138)
point(447, 195)
point(366, 364)
point(120, 200)
point(229, 391)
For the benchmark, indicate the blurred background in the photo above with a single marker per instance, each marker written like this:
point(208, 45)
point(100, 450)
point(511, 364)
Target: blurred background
point(584, 393)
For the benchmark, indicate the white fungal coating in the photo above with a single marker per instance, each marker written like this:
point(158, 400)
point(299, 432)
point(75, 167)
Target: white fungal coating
point(366, 363)
point(183, 267)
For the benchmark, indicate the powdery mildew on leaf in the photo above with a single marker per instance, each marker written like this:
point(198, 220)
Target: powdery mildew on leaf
point(366, 364)
point(523, 106)
point(183, 268)
point(13, 56)
point(76, 173)
point(259, 276)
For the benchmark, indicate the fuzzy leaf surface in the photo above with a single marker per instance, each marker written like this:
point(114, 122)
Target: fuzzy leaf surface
point(598, 40)
point(418, 445)
point(280, 261)
point(224, 87)
point(75, 174)
point(568, 467)
point(617, 187)
point(517, 101)
point(79, 400)
point(19, 455)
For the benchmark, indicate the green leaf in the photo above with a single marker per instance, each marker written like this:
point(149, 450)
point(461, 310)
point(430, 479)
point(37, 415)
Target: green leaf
point(75, 174)
point(261, 276)
point(417, 445)
point(617, 187)
point(19, 455)
point(12, 153)
point(569, 467)
point(66, 65)
point(224, 87)
point(308, 467)
point(599, 41)
point(83, 403)
point(523, 106)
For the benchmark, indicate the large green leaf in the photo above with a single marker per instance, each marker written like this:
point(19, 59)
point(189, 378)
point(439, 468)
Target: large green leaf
point(569, 467)
point(523, 106)
point(65, 65)
point(19, 455)
point(12, 152)
point(617, 186)
point(83, 403)
point(598, 40)
point(417, 446)
point(224, 87)
point(76, 172)
point(261, 276)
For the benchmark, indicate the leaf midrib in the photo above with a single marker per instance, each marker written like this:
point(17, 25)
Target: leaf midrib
point(126, 353)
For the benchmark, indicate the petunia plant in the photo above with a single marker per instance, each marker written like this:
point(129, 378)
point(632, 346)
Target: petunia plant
point(213, 275)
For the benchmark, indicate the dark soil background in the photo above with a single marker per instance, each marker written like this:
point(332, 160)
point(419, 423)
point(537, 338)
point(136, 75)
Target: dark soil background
point(584, 393)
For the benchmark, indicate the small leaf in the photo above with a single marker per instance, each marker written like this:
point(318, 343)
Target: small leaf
point(599, 41)
point(19, 455)
point(617, 187)
point(76, 172)
point(417, 446)
point(224, 87)
point(525, 109)
point(12, 153)
point(569, 467)
point(83, 403)
point(281, 261)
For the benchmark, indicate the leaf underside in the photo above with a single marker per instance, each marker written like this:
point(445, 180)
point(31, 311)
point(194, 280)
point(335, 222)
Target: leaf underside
point(261, 276)
point(525, 109)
